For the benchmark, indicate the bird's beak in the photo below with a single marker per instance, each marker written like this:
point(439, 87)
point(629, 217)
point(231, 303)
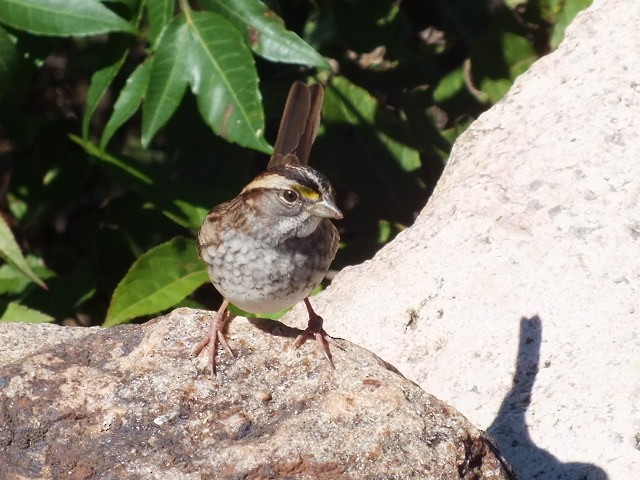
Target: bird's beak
point(325, 208)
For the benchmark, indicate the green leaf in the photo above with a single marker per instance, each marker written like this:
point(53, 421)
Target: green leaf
point(203, 49)
point(387, 167)
point(10, 251)
point(384, 231)
point(166, 194)
point(224, 79)
point(62, 18)
point(13, 281)
point(101, 80)
point(9, 60)
point(190, 215)
point(168, 79)
point(265, 32)
point(160, 14)
point(568, 11)
point(348, 103)
point(128, 101)
point(450, 85)
point(156, 281)
point(14, 312)
point(137, 174)
point(497, 60)
point(243, 313)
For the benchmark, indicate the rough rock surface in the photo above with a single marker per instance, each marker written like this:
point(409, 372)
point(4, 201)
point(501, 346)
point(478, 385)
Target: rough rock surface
point(130, 403)
point(515, 296)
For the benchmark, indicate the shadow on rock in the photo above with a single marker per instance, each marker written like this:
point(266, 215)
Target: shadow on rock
point(510, 431)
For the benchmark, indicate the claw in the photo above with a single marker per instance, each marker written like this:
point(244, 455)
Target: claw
point(215, 336)
point(314, 330)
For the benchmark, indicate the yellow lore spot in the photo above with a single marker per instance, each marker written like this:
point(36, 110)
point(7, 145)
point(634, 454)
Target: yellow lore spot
point(306, 192)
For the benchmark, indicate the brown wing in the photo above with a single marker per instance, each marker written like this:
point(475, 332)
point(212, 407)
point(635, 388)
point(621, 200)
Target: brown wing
point(298, 126)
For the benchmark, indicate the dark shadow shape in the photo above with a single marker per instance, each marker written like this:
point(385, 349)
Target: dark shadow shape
point(279, 329)
point(275, 328)
point(510, 430)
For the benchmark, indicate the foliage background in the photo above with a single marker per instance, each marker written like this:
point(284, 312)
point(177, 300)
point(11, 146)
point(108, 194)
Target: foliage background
point(113, 144)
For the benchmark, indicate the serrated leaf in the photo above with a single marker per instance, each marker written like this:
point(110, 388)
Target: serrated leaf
point(16, 313)
point(9, 60)
point(128, 101)
point(265, 33)
point(224, 79)
point(62, 18)
point(156, 281)
point(10, 251)
point(160, 14)
point(168, 79)
point(102, 78)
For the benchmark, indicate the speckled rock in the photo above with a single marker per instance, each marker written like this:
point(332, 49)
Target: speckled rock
point(131, 403)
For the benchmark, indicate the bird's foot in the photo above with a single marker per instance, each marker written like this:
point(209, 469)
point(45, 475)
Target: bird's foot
point(314, 330)
point(215, 336)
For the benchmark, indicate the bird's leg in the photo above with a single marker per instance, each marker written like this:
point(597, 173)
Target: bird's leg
point(215, 335)
point(314, 330)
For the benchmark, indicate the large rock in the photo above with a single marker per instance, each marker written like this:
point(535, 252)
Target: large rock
point(130, 403)
point(514, 297)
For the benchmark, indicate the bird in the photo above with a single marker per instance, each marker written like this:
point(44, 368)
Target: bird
point(266, 249)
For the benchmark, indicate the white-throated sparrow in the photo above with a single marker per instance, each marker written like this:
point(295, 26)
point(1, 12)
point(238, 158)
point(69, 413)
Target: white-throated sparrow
point(267, 248)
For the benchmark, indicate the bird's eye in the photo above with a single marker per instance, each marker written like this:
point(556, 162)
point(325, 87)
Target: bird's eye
point(289, 196)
